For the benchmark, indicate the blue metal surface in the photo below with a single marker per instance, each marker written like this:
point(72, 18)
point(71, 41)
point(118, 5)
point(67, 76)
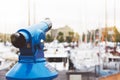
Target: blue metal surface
point(33, 35)
point(105, 72)
point(31, 71)
point(32, 64)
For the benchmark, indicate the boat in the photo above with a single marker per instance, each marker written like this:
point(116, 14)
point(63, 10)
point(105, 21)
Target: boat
point(5, 65)
point(58, 59)
point(8, 56)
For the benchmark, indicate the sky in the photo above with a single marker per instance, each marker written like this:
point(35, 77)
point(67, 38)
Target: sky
point(80, 15)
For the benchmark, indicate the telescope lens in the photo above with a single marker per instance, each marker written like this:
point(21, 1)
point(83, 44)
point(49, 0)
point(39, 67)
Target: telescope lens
point(47, 20)
point(18, 40)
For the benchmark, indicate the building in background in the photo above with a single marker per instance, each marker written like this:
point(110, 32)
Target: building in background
point(65, 30)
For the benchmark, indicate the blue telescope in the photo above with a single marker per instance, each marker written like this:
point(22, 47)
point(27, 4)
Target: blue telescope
point(31, 64)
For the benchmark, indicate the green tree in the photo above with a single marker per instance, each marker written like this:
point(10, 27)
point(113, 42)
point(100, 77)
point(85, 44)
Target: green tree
point(70, 37)
point(49, 38)
point(109, 37)
point(60, 34)
point(116, 34)
point(106, 34)
point(83, 37)
point(77, 36)
point(71, 34)
point(88, 36)
point(93, 36)
point(60, 37)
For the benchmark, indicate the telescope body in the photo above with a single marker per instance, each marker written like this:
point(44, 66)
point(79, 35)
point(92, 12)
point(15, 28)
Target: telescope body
point(31, 64)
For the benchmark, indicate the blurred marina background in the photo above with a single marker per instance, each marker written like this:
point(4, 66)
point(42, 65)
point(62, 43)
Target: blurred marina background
point(85, 34)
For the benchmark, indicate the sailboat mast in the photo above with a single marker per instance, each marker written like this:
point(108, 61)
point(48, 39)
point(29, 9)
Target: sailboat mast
point(105, 13)
point(106, 20)
point(28, 12)
point(114, 13)
point(34, 11)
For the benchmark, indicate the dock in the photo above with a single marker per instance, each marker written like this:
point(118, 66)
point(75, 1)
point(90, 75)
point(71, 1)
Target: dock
point(65, 75)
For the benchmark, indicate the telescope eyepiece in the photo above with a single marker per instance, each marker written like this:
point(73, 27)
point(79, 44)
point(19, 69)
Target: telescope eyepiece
point(48, 21)
point(18, 40)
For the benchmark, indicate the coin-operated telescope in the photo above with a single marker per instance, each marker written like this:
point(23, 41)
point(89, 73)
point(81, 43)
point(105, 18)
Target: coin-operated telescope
point(31, 64)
